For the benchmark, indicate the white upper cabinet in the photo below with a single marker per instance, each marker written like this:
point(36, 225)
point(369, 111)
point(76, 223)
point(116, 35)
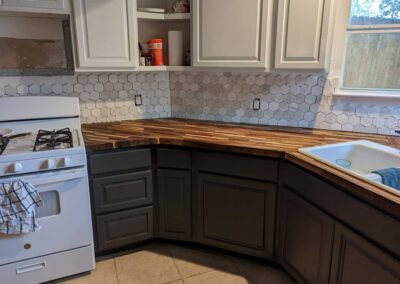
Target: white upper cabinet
point(303, 33)
point(35, 6)
point(105, 35)
point(232, 33)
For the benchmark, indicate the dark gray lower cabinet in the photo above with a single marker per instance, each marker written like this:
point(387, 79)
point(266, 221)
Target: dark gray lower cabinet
point(315, 248)
point(356, 260)
point(124, 228)
point(305, 240)
point(175, 213)
point(232, 205)
point(236, 214)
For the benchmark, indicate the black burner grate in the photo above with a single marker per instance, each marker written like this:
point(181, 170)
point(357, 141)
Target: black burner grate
point(50, 140)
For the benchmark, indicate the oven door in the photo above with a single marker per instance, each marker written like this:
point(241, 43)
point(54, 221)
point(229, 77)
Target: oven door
point(65, 217)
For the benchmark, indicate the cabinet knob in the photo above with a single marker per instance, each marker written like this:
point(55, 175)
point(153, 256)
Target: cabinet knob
point(48, 164)
point(65, 162)
point(16, 167)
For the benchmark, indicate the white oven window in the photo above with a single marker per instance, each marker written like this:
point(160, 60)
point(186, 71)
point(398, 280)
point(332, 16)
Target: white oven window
point(51, 204)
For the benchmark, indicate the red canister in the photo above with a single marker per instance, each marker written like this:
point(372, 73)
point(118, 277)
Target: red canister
point(156, 50)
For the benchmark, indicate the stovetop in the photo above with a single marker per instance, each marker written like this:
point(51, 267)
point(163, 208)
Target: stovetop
point(41, 141)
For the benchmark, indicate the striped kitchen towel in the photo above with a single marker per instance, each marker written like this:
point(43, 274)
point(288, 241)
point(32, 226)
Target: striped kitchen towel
point(18, 203)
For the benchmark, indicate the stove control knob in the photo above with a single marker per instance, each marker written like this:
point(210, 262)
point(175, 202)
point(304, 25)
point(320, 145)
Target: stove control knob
point(16, 167)
point(48, 164)
point(65, 162)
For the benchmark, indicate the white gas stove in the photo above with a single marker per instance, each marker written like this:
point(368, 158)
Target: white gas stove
point(42, 143)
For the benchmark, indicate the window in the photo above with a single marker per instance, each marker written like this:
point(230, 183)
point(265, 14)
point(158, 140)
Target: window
point(372, 51)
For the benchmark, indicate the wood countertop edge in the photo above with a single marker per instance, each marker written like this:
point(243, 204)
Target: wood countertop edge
point(377, 197)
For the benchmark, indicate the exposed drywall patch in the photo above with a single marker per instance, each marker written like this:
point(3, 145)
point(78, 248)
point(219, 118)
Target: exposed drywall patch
point(32, 53)
point(35, 46)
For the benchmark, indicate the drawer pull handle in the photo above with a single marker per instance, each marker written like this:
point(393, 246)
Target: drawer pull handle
point(31, 268)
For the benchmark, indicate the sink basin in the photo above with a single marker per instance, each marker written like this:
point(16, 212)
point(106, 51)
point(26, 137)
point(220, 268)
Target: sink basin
point(358, 158)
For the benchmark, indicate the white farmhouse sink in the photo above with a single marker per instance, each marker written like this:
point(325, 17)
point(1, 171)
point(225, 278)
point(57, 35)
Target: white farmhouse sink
point(358, 158)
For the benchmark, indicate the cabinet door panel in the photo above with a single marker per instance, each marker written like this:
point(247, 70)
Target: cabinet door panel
point(357, 261)
point(305, 240)
point(52, 6)
point(302, 33)
point(236, 214)
point(105, 33)
point(231, 33)
point(174, 188)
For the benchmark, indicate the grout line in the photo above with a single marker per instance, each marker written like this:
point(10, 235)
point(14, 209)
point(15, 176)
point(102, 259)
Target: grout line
point(173, 260)
point(233, 264)
point(116, 271)
point(208, 271)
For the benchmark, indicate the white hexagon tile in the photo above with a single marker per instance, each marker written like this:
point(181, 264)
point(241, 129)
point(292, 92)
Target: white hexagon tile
point(103, 97)
point(287, 99)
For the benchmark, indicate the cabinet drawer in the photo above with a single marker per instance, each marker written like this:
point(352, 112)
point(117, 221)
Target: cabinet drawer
point(124, 228)
point(173, 158)
point(367, 220)
point(119, 161)
point(122, 191)
point(238, 165)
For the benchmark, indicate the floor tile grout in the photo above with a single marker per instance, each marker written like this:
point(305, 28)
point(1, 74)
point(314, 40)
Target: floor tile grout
point(173, 260)
point(211, 270)
point(116, 271)
point(201, 273)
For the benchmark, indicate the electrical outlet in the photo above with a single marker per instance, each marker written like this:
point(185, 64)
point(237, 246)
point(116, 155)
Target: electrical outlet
point(138, 100)
point(257, 104)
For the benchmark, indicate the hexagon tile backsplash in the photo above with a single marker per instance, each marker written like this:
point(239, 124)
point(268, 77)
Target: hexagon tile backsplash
point(103, 97)
point(287, 99)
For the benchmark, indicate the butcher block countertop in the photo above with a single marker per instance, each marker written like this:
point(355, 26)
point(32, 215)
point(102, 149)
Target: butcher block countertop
point(279, 142)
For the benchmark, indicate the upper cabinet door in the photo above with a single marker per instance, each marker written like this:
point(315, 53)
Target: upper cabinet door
point(302, 33)
point(232, 33)
point(39, 6)
point(105, 34)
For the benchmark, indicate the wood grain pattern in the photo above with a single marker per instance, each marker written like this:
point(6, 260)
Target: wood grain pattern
point(279, 142)
point(258, 140)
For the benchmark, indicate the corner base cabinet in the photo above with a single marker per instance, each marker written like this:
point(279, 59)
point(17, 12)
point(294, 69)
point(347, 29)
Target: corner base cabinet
point(236, 214)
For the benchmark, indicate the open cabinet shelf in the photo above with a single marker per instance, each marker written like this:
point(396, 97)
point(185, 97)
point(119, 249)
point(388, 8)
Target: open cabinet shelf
point(163, 17)
point(157, 25)
point(164, 68)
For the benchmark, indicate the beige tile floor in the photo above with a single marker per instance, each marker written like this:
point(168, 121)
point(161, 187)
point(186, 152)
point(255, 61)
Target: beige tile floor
point(160, 263)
